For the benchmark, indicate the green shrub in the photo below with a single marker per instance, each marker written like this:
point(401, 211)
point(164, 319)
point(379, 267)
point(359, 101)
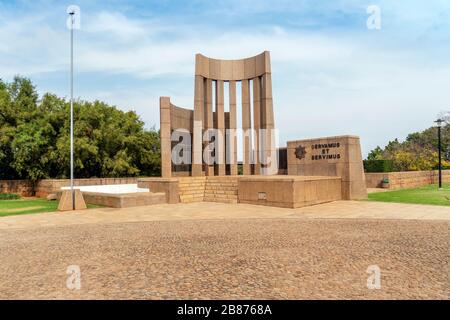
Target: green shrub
point(378, 165)
point(9, 196)
point(445, 166)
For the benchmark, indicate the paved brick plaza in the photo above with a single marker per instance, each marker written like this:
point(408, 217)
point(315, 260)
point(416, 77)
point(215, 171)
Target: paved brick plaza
point(296, 254)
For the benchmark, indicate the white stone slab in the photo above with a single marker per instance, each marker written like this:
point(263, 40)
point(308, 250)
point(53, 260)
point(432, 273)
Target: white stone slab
point(111, 188)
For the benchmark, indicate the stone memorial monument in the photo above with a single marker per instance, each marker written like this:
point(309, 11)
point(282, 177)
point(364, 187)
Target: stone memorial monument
point(199, 148)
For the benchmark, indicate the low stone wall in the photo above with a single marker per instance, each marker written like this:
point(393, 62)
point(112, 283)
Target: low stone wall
point(406, 179)
point(47, 186)
point(44, 187)
point(289, 191)
point(21, 187)
point(168, 186)
point(280, 191)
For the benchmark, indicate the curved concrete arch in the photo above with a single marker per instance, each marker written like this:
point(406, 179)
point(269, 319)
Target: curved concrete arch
point(232, 70)
point(253, 73)
point(255, 76)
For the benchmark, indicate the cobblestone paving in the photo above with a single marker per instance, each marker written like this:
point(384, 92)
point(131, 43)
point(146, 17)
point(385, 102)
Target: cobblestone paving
point(214, 210)
point(295, 258)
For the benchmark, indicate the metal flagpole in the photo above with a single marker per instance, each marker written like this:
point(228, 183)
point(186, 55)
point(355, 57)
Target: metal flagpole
point(439, 125)
point(440, 156)
point(71, 109)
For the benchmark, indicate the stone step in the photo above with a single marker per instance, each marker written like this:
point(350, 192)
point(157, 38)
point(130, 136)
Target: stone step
point(220, 200)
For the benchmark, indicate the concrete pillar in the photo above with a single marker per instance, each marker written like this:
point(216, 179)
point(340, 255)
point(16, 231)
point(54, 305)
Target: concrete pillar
point(209, 123)
point(267, 119)
point(246, 127)
point(257, 121)
point(165, 133)
point(220, 120)
point(197, 153)
point(233, 126)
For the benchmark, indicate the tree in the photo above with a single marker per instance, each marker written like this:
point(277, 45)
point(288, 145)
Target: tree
point(375, 154)
point(417, 152)
point(34, 140)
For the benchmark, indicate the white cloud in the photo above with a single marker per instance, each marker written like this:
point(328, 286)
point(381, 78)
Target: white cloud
point(116, 25)
point(325, 83)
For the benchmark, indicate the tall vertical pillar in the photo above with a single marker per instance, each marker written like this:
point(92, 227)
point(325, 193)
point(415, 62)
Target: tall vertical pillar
point(166, 144)
point(246, 127)
point(257, 121)
point(220, 120)
point(233, 128)
point(269, 152)
point(209, 124)
point(197, 127)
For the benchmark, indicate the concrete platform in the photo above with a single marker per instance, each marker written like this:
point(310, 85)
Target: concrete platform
point(126, 200)
point(287, 191)
point(110, 188)
point(118, 196)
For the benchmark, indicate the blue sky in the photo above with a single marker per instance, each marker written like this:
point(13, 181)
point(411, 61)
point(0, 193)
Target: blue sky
point(331, 74)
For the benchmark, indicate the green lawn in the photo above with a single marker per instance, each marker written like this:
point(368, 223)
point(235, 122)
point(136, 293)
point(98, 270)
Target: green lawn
point(27, 206)
point(423, 195)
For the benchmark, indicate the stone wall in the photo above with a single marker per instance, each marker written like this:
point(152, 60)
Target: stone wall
point(280, 191)
point(47, 186)
point(44, 187)
point(289, 191)
point(338, 156)
point(406, 179)
point(21, 187)
point(169, 186)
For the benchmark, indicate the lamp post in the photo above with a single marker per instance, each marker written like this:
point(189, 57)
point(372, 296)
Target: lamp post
point(439, 123)
point(72, 17)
